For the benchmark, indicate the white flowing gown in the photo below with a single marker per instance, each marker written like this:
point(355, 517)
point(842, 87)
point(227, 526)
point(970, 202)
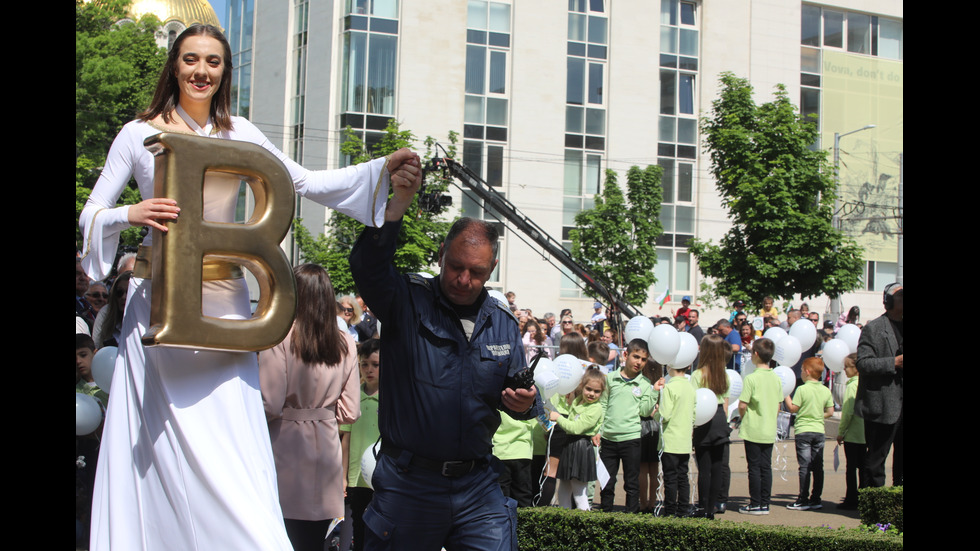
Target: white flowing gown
point(186, 461)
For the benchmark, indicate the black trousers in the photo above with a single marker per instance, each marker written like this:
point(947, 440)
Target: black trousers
point(880, 438)
point(611, 454)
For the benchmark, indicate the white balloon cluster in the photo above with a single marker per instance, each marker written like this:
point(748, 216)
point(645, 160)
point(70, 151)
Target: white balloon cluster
point(843, 344)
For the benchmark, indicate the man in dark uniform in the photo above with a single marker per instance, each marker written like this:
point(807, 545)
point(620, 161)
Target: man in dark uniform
point(450, 352)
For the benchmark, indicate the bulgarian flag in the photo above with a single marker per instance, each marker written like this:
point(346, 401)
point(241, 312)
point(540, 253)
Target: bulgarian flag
point(664, 297)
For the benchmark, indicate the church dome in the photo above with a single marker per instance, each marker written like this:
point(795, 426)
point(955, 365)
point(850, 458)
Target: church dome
point(186, 12)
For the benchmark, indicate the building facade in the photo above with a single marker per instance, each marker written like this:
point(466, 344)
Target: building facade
point(546, 96)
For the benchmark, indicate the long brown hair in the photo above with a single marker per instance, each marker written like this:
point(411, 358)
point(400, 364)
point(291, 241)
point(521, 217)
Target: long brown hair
point(537, 335)
point(711, 362)
point(167, 95)
point(316, 335)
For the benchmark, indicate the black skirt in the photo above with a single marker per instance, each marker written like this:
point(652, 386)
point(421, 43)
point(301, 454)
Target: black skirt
point(715, 432)
point(578, 459)
point(556, 441)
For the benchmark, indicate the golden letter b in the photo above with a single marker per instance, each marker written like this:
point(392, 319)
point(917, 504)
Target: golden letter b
point(178, 256)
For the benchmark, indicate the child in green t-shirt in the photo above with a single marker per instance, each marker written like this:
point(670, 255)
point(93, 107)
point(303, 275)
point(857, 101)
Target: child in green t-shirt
point(359, 436)
point(812, 403)
point(758, 405)
point(677, 412)
point(850, 433)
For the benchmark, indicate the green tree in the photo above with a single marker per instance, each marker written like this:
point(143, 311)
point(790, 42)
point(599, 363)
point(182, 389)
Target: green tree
point(116, 70)
point(616, 240)
point(779, 193)
point(418, 241)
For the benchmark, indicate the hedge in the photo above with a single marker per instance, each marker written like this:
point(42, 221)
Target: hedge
point(555, 529)
point(882, 505)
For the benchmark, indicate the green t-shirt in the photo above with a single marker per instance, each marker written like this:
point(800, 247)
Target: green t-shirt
point(851, 425)
point(813, 398)
point(513, 438)
point(363, 434)
point(762, 391)
point(696, 380)
point(624, 402)
point(677, 412)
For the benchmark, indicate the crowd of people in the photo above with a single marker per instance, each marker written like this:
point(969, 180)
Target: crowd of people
point(639, 429)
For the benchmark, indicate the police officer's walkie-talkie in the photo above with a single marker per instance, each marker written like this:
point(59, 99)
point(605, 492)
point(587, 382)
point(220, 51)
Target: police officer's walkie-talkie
point(525, 379)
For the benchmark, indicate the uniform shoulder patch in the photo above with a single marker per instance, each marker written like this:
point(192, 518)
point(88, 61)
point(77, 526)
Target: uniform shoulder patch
point(505, 309)
point(419, 279)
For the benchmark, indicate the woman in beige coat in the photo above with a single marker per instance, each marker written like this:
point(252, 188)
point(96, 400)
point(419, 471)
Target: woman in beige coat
point(309, 387)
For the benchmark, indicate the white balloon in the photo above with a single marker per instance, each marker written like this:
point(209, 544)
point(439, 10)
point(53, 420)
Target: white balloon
point(775, 334)
point(368, 463)
point(686, 352)
point(734, 385)
point(88, 414)
point(806, 333)
point(103, 363)
point(834, 352)
point(788, 350)
point(569, 370)
point(850, 334)
point(545, 378)
point(663, 342)
point(501, 298)
point(705, 405)
point(787, 377)
point(638, 328)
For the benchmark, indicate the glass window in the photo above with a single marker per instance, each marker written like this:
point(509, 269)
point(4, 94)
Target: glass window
point(498, 72)
point(473, 110)
point(495, 165)
point(685, 182)
point(667, 126)
point(663, 269)
point(667, 180)
point(497, 111)
point(576, 27)
point(809, 102)
point(595, 83)
point(810, 28)
point(473, 156)
point(890, 43)
point(668, 40)
point(686, 94)
point(684, 220)
point(592, 173)
point(570, 207)
point(475, 69)
point(833, 29)
point(575, 90)
point(668, 94)
point(385, 8)
point(858, 33)
point(688, 42)
point(476, 14)
point(355, 51)
point(573, 172)
point(668, 12)
point(574, 119)
point(597, 30)
point(682, 281)
point(687, 131)
point(499, 17)
point(381, 74)
point(810, 60)
point(687, 13)
point(595, 122)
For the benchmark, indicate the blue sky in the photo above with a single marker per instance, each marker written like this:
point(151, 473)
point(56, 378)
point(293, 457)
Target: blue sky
point(220, 8)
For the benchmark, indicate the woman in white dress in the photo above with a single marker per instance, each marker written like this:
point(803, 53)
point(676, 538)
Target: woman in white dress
point(186, 461)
